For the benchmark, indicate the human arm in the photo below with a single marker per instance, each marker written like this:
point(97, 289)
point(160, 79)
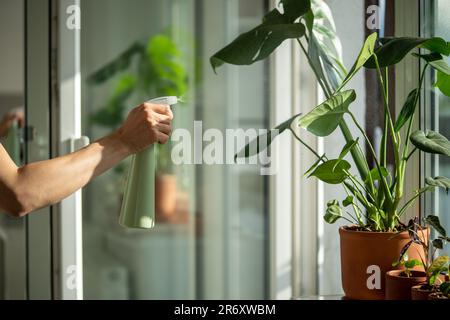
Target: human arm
point(36, 185)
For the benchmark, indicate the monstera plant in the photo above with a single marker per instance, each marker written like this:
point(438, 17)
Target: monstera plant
point(374, 203)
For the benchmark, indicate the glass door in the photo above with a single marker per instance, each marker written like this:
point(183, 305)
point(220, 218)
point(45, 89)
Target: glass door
point(12, 101)
point(211, 238)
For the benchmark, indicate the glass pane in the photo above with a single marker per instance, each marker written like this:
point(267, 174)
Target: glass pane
point(442, 106)
point(12, 66)
point(210, 239)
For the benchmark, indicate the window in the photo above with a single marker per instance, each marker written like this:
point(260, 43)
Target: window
point(436, 112)
point(211, 238)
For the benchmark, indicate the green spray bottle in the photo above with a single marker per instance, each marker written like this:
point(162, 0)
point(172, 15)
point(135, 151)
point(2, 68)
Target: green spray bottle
point(138, 205)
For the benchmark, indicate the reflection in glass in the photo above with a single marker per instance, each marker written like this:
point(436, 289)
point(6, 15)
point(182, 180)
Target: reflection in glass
point(210, 239)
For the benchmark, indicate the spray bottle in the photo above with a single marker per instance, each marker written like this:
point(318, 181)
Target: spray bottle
point(138, 206)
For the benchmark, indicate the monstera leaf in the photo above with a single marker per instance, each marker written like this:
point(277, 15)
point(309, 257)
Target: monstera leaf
point(263, 141)
point(333, 213)
point(326, 117)
point(393, 50)
point(407, 111)
point(332, 172)
point(258, 43)
point(121, 63)
point(431, 142)
point(443, 83)
point(440, 182)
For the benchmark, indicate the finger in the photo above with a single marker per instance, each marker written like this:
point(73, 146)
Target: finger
point(164, 128)
point(163, 118)
point(162, 138)
point(162, 109)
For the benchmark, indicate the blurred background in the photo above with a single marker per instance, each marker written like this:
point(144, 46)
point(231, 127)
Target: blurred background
point(215, 227)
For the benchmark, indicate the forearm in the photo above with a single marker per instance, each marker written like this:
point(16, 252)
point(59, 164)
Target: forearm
point(47, 182)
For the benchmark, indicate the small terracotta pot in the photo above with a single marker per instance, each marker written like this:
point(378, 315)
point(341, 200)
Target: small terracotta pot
point(398, 285)
point(365, 259)
point(418, 293)
point(165, 197)
point(437, 296)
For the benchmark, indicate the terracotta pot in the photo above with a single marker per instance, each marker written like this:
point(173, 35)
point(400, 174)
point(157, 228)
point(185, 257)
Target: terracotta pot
point(365, 259)
point(418, 293)
point(165, 197)
point(437, 296)
point(398, 285)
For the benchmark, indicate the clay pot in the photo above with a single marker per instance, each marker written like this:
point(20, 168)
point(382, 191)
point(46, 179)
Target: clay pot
point(365, 259)
point(437, 296)
point(398, 285)
point(419, 293)
point(165, 197)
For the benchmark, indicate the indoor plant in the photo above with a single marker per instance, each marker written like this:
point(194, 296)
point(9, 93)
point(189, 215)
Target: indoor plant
point(147, 70)
point(375, 193)
point(434, 266)
point(443, 293)
point(400, 282)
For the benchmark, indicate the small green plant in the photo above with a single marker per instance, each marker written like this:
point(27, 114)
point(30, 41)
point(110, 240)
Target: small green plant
point(146, 70)
point(408, 264)
point(433, 265)
point(375, 193)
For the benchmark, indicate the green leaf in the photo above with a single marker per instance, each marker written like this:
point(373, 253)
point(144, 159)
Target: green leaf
point(263, 141)
point(412, 263)
point(333, 213)
point(437, 266)
point(119, 64)
point(365, 54)
point(375, 174)
point(407, 111)
point(314, 166)
point(443, 83)
point(325, 118)
point(441, 66)
point(445, 288)
point(331, 173)
point(347, 148)
point(438, 244)
point(393, 50)
point(348, 201)
point(431, 142)
point(258, 43)
point(434, 222)
point(112, 115)
point(294, 9)
point(429, 57)
point(441, 182)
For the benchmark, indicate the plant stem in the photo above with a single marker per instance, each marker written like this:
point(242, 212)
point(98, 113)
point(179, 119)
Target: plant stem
point(307, 146)
point(410, 154)
point(357, 157)
point(411, 201)
point(405, 158)
point(382, 179)
point(383, 148)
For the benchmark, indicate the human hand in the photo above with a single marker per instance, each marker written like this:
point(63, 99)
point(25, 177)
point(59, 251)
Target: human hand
point(146, 124)
point(8, 120)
